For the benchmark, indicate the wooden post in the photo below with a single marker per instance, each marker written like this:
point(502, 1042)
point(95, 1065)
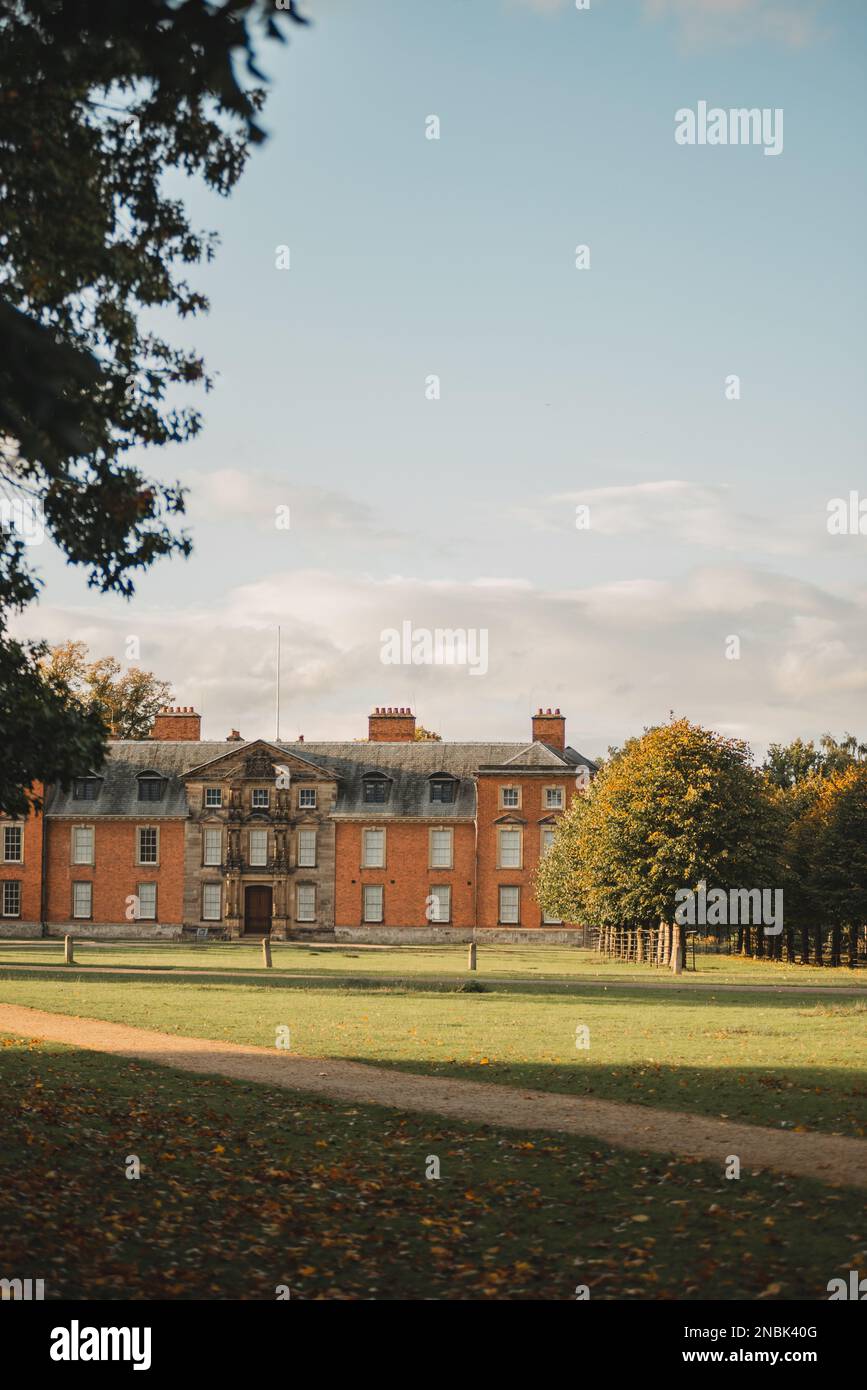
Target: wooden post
point(676, 951)
point(639, 946)
point(471, 956)
point(266, 951)
point(68, 957)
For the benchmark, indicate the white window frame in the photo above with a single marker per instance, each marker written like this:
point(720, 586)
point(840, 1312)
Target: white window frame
point(260, 805)
point(309, 805)
point(149, 916)
point(19, 857)
point(82, 916)
point(7, 884)
point(516, 890)
point(437, 890)
point(140, 861)
point(208, 833)
point(259, 836)
point(545, 843)
point(306, 859)
point(511, 792)
point(372, 888)
point(213, 792)
point(434, 857)
point(310, 890)
point(208, 916)
point(366, 861)
point(554, 805)
point(502, 862)
point(76, 852)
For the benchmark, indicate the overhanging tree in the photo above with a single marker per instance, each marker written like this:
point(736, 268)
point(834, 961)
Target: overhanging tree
point(97, 102)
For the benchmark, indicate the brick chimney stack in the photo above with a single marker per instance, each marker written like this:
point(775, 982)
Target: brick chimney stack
point(233, 736)
point(550, 727)
point(391, 725)
point(176, 722)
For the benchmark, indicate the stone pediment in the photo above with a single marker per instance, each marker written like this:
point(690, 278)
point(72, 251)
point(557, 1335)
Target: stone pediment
point(258, 762)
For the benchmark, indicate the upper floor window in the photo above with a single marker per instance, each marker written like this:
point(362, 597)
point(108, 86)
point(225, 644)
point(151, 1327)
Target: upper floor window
point(510, 796)
point(213, 845)
point(307, 798)
point(307, 849)
point(150, 786)
point(85, 789)
point(82, 844)
point(261, 799)
point(258, 856)
point(213, 796)
point(376, 787)
point(148, 844)
point(442, 789)
point(553, 798)
point(441, 849)
point(510, 849)
point(12, 844)
point(373, 849)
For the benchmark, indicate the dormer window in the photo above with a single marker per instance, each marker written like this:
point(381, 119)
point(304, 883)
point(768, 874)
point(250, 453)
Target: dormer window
point(85, 788)
point(150, 786)
point(442, 789)
point(376, 787)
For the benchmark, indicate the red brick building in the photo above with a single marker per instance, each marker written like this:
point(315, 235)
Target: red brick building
point(386, 838)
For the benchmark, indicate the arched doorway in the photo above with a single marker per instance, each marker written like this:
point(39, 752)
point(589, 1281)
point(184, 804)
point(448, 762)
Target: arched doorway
point(257, 910)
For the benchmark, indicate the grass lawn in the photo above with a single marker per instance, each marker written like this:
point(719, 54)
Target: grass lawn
point(789, 1060)
point(244, 1189)
point(532, 963)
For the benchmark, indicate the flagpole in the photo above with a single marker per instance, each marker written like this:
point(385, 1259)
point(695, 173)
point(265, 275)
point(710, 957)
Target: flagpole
point(278, 685)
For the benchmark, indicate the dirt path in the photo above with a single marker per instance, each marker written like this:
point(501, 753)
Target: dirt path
point(830, 1159)
point(254, 975)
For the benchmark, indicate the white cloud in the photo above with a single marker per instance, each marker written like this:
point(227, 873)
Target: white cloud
point(615, 657)
point(234, 494)
point(791, 23)
point(680, 512)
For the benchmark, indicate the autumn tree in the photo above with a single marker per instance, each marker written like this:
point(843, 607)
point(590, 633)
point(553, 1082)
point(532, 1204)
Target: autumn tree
point(98, 103)
point(680, 806)
point(127, 700)
point(838, 827)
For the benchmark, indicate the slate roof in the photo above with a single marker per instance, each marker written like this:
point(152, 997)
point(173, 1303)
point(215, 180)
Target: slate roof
point(408, 765)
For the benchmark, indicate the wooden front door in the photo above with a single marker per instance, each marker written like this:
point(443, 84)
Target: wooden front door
point(257, 910)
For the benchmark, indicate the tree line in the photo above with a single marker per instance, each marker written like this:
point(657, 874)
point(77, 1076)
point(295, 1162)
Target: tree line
point(683, 810)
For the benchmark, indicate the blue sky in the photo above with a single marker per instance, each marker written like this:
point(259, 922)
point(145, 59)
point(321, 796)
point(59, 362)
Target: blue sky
point(457, 257)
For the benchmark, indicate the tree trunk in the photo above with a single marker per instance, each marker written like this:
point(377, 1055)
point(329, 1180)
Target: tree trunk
point(835, 945)
point(639, 946)
point(760, 942)
point(805, 944)
point(818, 947)
point(853, 946)
point(747, 939)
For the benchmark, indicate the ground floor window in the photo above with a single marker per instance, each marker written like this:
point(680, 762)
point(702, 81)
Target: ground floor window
point(82, 899)
point(372, 902)
point(305, 902)
point(147, 902)
point(510, 903)
point(439, 903)
point(212, 901)
point(11, 898)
